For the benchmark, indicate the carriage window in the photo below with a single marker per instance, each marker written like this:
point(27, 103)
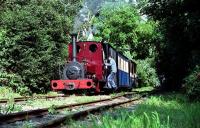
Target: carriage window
point(93, 47)
point(78, 48)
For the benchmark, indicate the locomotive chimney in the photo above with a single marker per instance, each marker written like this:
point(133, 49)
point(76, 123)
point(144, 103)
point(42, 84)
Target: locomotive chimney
point(74, 39)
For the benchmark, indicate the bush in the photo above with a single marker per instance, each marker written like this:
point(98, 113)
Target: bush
point(15, 82)
point(147, 73)
point(192, 82)
point(32, 41)
point(7, 93)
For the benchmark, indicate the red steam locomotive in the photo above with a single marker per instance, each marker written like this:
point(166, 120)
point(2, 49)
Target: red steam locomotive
point(86, 70)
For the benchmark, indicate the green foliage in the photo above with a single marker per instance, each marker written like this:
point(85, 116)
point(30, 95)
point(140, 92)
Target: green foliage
point(33, 42)
point(173, 109)
point(6, 92)
point(153, 121)
point(10, 107)
point(144, 89)
point(166, 111)
point(14, 81)
point(146, 73)
point(178, 50)
point(124, 28)
point(27, 124)
point(192, 82)
point(52, 109)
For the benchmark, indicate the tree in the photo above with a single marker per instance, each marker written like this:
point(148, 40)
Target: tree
point(33, 41)
point(125, 29)
point(179, 50)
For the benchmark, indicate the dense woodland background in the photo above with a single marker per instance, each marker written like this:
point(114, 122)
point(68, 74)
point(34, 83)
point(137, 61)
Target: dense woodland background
point(161, 36)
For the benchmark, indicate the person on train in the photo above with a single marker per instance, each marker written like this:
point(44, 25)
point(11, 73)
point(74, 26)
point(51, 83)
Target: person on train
point(111, 76)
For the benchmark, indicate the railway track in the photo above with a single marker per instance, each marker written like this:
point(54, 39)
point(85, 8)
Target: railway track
point(82, 113)
point(21, 99)
point(41, 117)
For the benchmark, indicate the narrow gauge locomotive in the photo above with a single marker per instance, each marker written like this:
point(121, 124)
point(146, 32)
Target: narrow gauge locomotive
point(86, 70)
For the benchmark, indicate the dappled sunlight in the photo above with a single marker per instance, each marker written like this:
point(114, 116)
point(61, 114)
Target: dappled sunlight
point(156, 112)
point(158, 101)
point(181, 114)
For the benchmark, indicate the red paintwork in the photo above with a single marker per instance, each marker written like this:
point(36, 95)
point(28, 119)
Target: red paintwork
point(94, 60)
point(93, 65)
point(78, 84)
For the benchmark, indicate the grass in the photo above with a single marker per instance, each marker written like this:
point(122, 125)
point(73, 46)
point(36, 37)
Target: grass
point(6, 92)
point(30, 104)
point(165, 111)
point(34, 103)
point(44, 103)
point(142, 89)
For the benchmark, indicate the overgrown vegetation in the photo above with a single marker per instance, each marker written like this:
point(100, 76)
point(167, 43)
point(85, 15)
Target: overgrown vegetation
point(52, 109)
point(7, 93)
point(178, 47)
point(169, 111)
point(193, 84)
point(33, 42)
point(10, 106)
point(51, 103)
point(147, 73)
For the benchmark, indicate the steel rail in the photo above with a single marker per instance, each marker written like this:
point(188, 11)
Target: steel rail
point(77, 115)
point(20, 99)
point(13, 117)
point(82, 113)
